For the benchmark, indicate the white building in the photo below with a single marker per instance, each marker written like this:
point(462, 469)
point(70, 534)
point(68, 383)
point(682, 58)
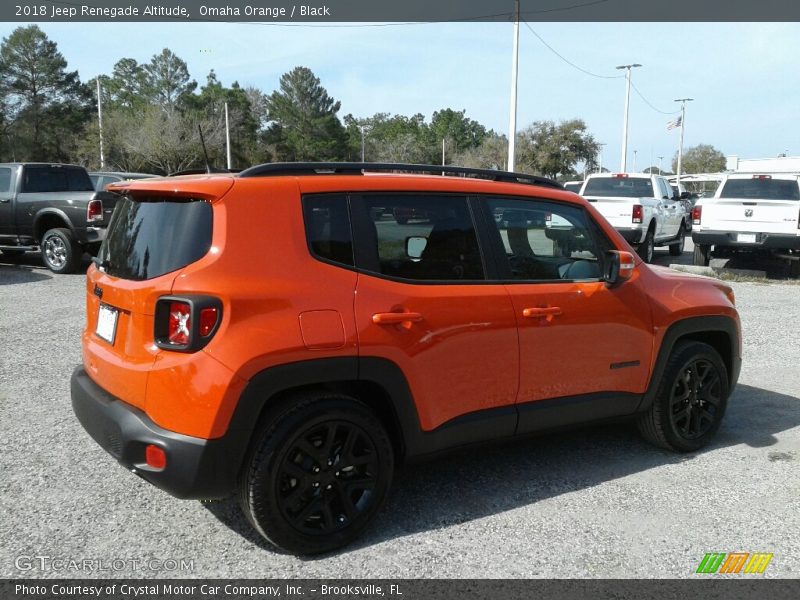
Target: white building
point(781, 164)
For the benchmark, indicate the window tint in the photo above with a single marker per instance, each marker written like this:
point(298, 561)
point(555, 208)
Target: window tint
point(424, 237)
point(328, 228)
point(545, 241)
point(573, 186)
point(757, 188)
point(150, 237)
point(625, 187)
point(5, 179)
point(56, 179)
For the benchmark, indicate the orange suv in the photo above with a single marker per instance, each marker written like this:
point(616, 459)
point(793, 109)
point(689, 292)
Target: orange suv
point(280, 334)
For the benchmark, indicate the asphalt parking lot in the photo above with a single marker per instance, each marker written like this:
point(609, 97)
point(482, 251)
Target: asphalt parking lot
point(597, 502)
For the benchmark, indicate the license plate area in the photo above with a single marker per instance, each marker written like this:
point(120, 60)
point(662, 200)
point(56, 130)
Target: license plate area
point(107, 318)
point(746, 238)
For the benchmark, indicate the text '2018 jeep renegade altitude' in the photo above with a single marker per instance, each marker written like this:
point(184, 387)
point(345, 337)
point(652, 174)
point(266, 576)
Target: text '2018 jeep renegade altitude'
point(280, 335)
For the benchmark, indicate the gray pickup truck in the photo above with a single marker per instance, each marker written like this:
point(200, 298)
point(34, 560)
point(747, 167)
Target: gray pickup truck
point(53, 207)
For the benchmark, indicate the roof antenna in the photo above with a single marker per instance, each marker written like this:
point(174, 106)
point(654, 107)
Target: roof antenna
point(205, 152)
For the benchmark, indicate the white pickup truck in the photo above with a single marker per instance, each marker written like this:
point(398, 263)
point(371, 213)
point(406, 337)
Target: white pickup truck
point(642, 207)
point(749, 213)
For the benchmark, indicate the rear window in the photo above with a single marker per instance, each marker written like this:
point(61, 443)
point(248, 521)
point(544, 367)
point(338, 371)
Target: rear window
point(761, 189)
point(624, 187)
point(55, 178)
point(149, 237)
point(573, 187)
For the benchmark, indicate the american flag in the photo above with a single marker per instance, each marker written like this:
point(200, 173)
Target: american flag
point(673, 124)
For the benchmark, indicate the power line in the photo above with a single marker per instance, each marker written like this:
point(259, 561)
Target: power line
point(572, 64)
point(646, 101)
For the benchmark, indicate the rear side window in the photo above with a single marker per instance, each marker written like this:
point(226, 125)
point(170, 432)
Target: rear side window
point(624, 187)
point(761, 188)
point(55, 179)
point(5, 179)
point(327, 224)
point(149, 237)
point(419, 237)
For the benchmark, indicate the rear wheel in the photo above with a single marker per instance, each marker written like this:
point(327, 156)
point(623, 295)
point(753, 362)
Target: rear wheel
point(690, 401)
point(648, 247)
point(60, 251)
point(702, 254)
point(676, 248)
point(318, 475)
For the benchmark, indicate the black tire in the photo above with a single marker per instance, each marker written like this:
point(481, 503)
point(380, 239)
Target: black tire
point(691, 399)
point(318, 474)
point(647, 248)
point(60, 252)
point(702, 255)
point(676, 248)
point(794, 268)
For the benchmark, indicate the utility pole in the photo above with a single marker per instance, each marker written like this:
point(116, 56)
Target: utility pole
point(512, 119)
point(100, 123)
point(624, 161)
point(600, 161)
point(362, 143)
point(634, 161)
point(683, 102)
point(227, 137)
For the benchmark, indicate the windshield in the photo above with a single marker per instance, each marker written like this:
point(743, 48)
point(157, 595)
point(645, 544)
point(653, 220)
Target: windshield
point(761, 189)
point(153, 236)
point(624, 187)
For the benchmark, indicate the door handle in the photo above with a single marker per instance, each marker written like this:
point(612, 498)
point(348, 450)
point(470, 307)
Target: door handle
point(4, 200)
point(550, 311)
point(404, 319)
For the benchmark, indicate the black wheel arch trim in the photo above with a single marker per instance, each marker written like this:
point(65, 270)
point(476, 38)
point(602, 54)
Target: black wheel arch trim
point(696, 328)
point(39, 231)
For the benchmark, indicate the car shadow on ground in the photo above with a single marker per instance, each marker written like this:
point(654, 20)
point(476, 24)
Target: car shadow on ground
point(29, 267)
point(490, 479)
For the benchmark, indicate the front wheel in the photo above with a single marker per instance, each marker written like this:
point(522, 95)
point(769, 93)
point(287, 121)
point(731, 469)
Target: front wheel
point(318, 475)
point(702, 255)
point(60, 251)
point(647, 248)
point(691, 399)
point(676, 248)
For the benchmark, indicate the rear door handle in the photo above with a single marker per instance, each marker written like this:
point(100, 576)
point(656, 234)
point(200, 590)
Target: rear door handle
point(550, 311)
point(404, 319)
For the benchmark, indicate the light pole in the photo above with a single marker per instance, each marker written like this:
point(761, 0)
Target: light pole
point(600, 161)
point(362, 143)
point(624, 162)
point(660, 170)
point(512, 118)
point(683, 102)
point(634, 161)
point(100, 123)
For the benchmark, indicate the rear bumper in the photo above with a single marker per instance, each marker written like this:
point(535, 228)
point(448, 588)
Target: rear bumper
point(632, 235)
point(772, 241)
point(196, 467)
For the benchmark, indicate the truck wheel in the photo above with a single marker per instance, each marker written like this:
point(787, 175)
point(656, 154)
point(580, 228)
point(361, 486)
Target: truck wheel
point(702, 254)
point(318, 474)
point(60, 251)
point(691, 399)
point(647, 248)
point(676, 248)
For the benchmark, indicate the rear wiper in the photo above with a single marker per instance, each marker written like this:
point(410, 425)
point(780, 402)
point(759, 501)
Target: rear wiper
point(102, 263)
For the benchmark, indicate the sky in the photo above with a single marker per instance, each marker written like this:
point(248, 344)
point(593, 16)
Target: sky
point(743, 76)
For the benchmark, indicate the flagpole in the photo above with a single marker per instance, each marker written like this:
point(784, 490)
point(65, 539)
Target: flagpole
point(512, 118)
point(683, 102)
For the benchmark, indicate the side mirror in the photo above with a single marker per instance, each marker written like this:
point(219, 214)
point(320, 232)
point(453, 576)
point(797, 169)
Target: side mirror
point(619, 266)
point(415, 246)
point(685, 195)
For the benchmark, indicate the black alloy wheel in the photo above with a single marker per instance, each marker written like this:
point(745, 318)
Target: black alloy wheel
point(696, 399)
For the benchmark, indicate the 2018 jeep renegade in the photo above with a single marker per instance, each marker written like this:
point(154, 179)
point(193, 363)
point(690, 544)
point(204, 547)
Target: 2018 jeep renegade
point(294, 332)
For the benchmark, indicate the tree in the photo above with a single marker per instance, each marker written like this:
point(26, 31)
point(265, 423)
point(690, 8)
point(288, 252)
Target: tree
point(553, 150)
point(44, 103)
point(303, 121)
point(459, 132)
point(702, 158)
point(492, 153)
point(389, 138)
point(128, 85)
point(167, 79)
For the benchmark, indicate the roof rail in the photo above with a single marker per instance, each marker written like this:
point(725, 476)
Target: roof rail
point(202, 171)
point(348, 168)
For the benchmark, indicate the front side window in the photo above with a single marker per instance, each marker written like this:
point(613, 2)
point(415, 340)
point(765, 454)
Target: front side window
point(546, 241)
point(420, 237)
